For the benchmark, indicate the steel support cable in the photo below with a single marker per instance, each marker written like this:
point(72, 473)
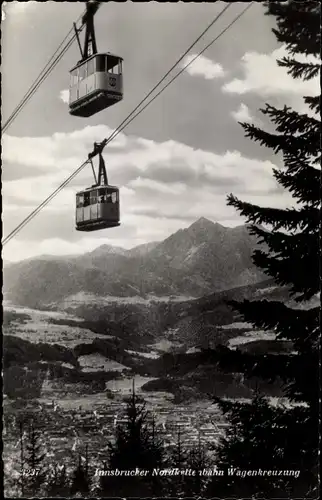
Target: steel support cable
point(43, 74)
point(31, 89)
point(36, 86)
point(119, 129)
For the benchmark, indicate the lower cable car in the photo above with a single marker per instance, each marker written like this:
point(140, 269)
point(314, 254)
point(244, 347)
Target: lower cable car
point(96, 82)
point(98, 207)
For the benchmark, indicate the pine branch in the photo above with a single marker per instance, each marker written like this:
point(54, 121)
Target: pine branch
point(298, 26)
point(287, 253)
point(282, 244)
point(252, 365)
point(297, 69)
point(304, 218)
point(291, 122)
point(291, 270)
point(298, 325)
point(314, 103)
point(304, 184)
point(298, 372)
point(303, 383)
point(294, 161)
point(304, 145)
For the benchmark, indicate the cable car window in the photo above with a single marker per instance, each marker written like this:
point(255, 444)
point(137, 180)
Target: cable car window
point(79, 201)
point(86, 199)
point(93, 197)
point(90, 67)
point(120, 67)
point(101, 192)
point(74, 77)
point(114, 197)
point(113, 70)
point(82, 72)
point(100, 63)
point(101, 195)
point(108, 198)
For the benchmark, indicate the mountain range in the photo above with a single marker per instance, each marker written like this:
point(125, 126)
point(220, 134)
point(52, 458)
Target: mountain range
point(202, 259)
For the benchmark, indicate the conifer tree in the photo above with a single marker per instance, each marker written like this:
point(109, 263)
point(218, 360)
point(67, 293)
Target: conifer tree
point(159, 460)
point(58, 482)
point(178, 459)
point(136, 446)
point(261, 435)
point(80, 483)
point(196, 462)
point(21, 479)
point(35, 473)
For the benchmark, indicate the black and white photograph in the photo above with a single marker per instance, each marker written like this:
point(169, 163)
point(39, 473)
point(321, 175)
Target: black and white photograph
point(161, 211)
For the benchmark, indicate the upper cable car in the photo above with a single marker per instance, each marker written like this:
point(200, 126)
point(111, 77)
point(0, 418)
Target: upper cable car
point(96, 82)
point(98, 207)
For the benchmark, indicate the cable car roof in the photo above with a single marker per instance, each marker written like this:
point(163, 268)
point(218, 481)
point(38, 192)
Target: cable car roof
point(95, 188)
point(113, 58)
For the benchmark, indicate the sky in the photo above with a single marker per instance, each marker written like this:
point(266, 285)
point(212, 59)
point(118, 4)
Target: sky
point(174, 163)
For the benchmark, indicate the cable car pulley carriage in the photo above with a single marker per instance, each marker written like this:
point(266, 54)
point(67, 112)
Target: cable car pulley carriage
point(96, 82)
point(98, 207)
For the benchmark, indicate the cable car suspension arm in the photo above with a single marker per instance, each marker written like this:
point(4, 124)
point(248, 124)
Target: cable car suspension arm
point(90, 46)
point(78, 40)
point(102, 175)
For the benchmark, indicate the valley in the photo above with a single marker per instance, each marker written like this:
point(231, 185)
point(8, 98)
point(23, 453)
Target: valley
point(78, 331)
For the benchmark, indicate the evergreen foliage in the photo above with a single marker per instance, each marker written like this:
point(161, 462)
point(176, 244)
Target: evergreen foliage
point(196, 461)
point(178, 458)
point(261, 435)
point(34, 473)
point(58, 482)
point(80, 483)
point(136, 446)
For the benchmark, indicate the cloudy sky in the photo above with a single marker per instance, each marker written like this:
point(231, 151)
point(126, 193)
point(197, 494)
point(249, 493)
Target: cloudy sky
point(174, 163)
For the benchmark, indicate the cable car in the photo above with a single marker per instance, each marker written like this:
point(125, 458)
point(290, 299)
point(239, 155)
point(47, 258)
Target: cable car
point(95, 85)
point(96, 82)
point(98, 207)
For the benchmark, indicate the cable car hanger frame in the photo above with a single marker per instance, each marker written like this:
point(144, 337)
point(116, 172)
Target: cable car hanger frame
point(101, 179)
point(90, 46)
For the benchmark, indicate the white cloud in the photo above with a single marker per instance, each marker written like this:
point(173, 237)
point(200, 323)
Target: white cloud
point(175, 188)
point(59, 151)
point(64, 96)
point(203, 66)
point(242, 114)
point(166, 168)
point(263, 76)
